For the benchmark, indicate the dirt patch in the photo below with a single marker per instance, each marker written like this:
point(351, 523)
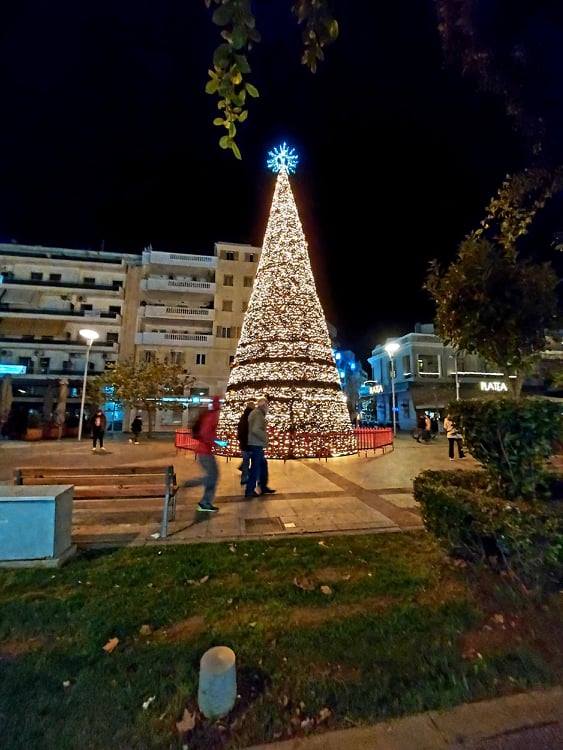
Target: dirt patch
point(311, 616)
point(184, 630)
point(335, 575)
point(12, 650)
point(335, 672)
point(443, 590)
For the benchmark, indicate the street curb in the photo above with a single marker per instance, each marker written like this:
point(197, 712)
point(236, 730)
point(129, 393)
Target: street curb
point(443, 730)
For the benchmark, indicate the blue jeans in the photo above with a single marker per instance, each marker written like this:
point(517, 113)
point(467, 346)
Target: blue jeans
point(258, 469)
point(208, 479)
point(245, 466)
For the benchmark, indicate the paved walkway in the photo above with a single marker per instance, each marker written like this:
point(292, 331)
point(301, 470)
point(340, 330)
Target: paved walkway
point(517, 722)
point(353, 494)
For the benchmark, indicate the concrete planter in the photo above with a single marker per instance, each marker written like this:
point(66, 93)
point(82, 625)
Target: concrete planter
point(35, 525)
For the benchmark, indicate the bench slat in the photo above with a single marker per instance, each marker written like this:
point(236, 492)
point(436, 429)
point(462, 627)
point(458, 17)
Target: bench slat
point(117, 480)
point(102, 491)
point(38, 471)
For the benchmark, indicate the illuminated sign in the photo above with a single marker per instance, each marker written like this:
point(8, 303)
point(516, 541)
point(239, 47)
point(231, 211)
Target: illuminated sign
point(13, 369)
point(374, 389)
point(493, 385)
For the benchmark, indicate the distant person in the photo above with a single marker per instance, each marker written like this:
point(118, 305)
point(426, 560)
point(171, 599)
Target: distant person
point(454, 436)
point(242, 435)
point(204, 431)
point(98, 427)
point(434, 426)
point(257, 443)
point(136, 429)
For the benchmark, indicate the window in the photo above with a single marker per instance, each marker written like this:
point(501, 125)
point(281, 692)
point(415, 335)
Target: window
point(223, 332)
point(405, 408)
point(428, 365)
point(55, 277)
point(231, 359)
point(248, 281)
point(44, 365)
point(112, 338)
point(230, 255)
point(407, 365)
point(35, 276)
point(249, 257)
point(177, 358)
point(89, 280)
point(227, 280)
point(117, 283)
point(47, 338)
point(148, 356)
point(200, 359)
point(227, 305)
point(115, 309)
point(86, 307)
point(244, 305)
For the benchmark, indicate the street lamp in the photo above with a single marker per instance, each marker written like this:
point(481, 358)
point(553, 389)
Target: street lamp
point(392, 348)
point(90, 336)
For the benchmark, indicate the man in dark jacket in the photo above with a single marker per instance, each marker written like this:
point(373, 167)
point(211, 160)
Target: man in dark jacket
point(242, 434)
point(98, 425)
point(257, 443)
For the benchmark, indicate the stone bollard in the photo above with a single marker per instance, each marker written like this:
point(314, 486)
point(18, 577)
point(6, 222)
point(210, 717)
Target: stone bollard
point(217, 682)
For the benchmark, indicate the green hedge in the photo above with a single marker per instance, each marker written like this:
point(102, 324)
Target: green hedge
point(513, 440)
point(526, 536)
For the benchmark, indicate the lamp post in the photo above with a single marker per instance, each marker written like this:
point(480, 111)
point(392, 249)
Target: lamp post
point(90, 336)
point(392, 348)
point(456, 378)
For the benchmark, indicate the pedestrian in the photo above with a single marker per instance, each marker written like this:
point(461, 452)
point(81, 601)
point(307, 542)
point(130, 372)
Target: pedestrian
point(204, 431)
point(454, 436)
point(98, 426)
point(257, 443)
point(242, 434)
point(434, 427)
point(136, 428)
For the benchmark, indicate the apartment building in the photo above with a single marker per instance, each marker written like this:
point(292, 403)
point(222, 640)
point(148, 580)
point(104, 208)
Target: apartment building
point(184, 308)
point(191, 309)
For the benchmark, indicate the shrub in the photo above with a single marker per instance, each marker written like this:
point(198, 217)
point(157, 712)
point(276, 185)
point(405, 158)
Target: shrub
point(526, 536)
point(513, 440)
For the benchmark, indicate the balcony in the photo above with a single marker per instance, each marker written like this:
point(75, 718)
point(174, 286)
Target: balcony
point(11, 282)
point(32, 342)
point(178, 312)
point(178, 285)
point(158, 258)
point(17, 311)
point(152, 338)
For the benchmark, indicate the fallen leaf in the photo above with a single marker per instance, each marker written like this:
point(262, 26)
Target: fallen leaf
point(145, 630)
point(322, 543)
point(66, 683)
point(251, 624)
point(111, 645)
point(498, 619)
point(186, 723)
point(156, 535)
point(204, 579)
point(307, 724)
point(148, 701)
point(347, 578)
point(232, 548)
point(326, 590)
point(324, 714)
point(229, 601)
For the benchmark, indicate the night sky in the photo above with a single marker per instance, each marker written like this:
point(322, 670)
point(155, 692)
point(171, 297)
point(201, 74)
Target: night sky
point(106, 140)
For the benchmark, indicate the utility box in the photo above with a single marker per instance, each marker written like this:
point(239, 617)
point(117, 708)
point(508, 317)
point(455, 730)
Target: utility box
point(35, 525)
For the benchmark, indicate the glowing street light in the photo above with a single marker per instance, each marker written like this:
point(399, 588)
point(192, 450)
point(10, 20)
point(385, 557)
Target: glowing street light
point(392, 347)
point(89, 336)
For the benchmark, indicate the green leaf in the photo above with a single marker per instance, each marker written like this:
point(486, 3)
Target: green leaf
point(236, 150)
point(221, 56)
point(252, 90)
point(243, 115)
point(223, 15)
point(232, 129)
point(211, 86)
point(225, 141)
point(218, 121)
point(242, 64)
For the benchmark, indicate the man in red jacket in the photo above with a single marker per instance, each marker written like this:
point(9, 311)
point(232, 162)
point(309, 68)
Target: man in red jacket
point(206, 436)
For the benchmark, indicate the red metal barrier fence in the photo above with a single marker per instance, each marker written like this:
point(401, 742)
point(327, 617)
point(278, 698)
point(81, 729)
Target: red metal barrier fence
point(287, 445)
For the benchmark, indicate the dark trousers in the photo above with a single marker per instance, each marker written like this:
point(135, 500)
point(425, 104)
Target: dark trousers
point(451, 442)
point(97, 435)
point(208, 479)
point(258, 469)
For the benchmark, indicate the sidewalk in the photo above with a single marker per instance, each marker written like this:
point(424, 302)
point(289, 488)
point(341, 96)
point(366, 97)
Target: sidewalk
point(517, 722)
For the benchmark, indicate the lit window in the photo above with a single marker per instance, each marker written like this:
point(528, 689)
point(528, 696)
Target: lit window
point(249, 257)
point(200, 359)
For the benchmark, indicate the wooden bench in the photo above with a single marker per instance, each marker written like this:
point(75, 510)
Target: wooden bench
point(111, 483)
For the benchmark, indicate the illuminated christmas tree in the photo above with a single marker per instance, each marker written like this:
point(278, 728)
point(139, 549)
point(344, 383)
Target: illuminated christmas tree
point(284, 351)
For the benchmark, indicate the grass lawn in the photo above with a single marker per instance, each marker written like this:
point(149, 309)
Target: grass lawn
point(401, 629)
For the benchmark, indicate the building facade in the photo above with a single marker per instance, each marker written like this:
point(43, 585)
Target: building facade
point(184, 308)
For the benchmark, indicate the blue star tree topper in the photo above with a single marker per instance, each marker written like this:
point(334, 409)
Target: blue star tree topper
point(283, 158)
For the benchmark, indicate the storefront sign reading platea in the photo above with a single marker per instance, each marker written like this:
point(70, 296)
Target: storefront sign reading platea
point(493, 385)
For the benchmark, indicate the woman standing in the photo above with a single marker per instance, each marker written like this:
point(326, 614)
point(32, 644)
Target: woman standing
point(454, 436)
point(98, 424)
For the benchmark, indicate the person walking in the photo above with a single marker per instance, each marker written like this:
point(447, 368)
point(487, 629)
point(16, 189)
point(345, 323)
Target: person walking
point(257, 443)
point(242, 435)
point(454, 436)
point(98, 426)
point(136, 428)
point(205, 432)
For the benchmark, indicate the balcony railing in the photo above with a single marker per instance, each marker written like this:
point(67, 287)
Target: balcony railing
point(155, 338)
point(10, 280)
point(156, 257)
point(33, 341)
point(15, 310)
point(179, 312)
point(178, 285)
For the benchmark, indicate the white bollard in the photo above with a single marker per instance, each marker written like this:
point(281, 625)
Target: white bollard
point(217, 682)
